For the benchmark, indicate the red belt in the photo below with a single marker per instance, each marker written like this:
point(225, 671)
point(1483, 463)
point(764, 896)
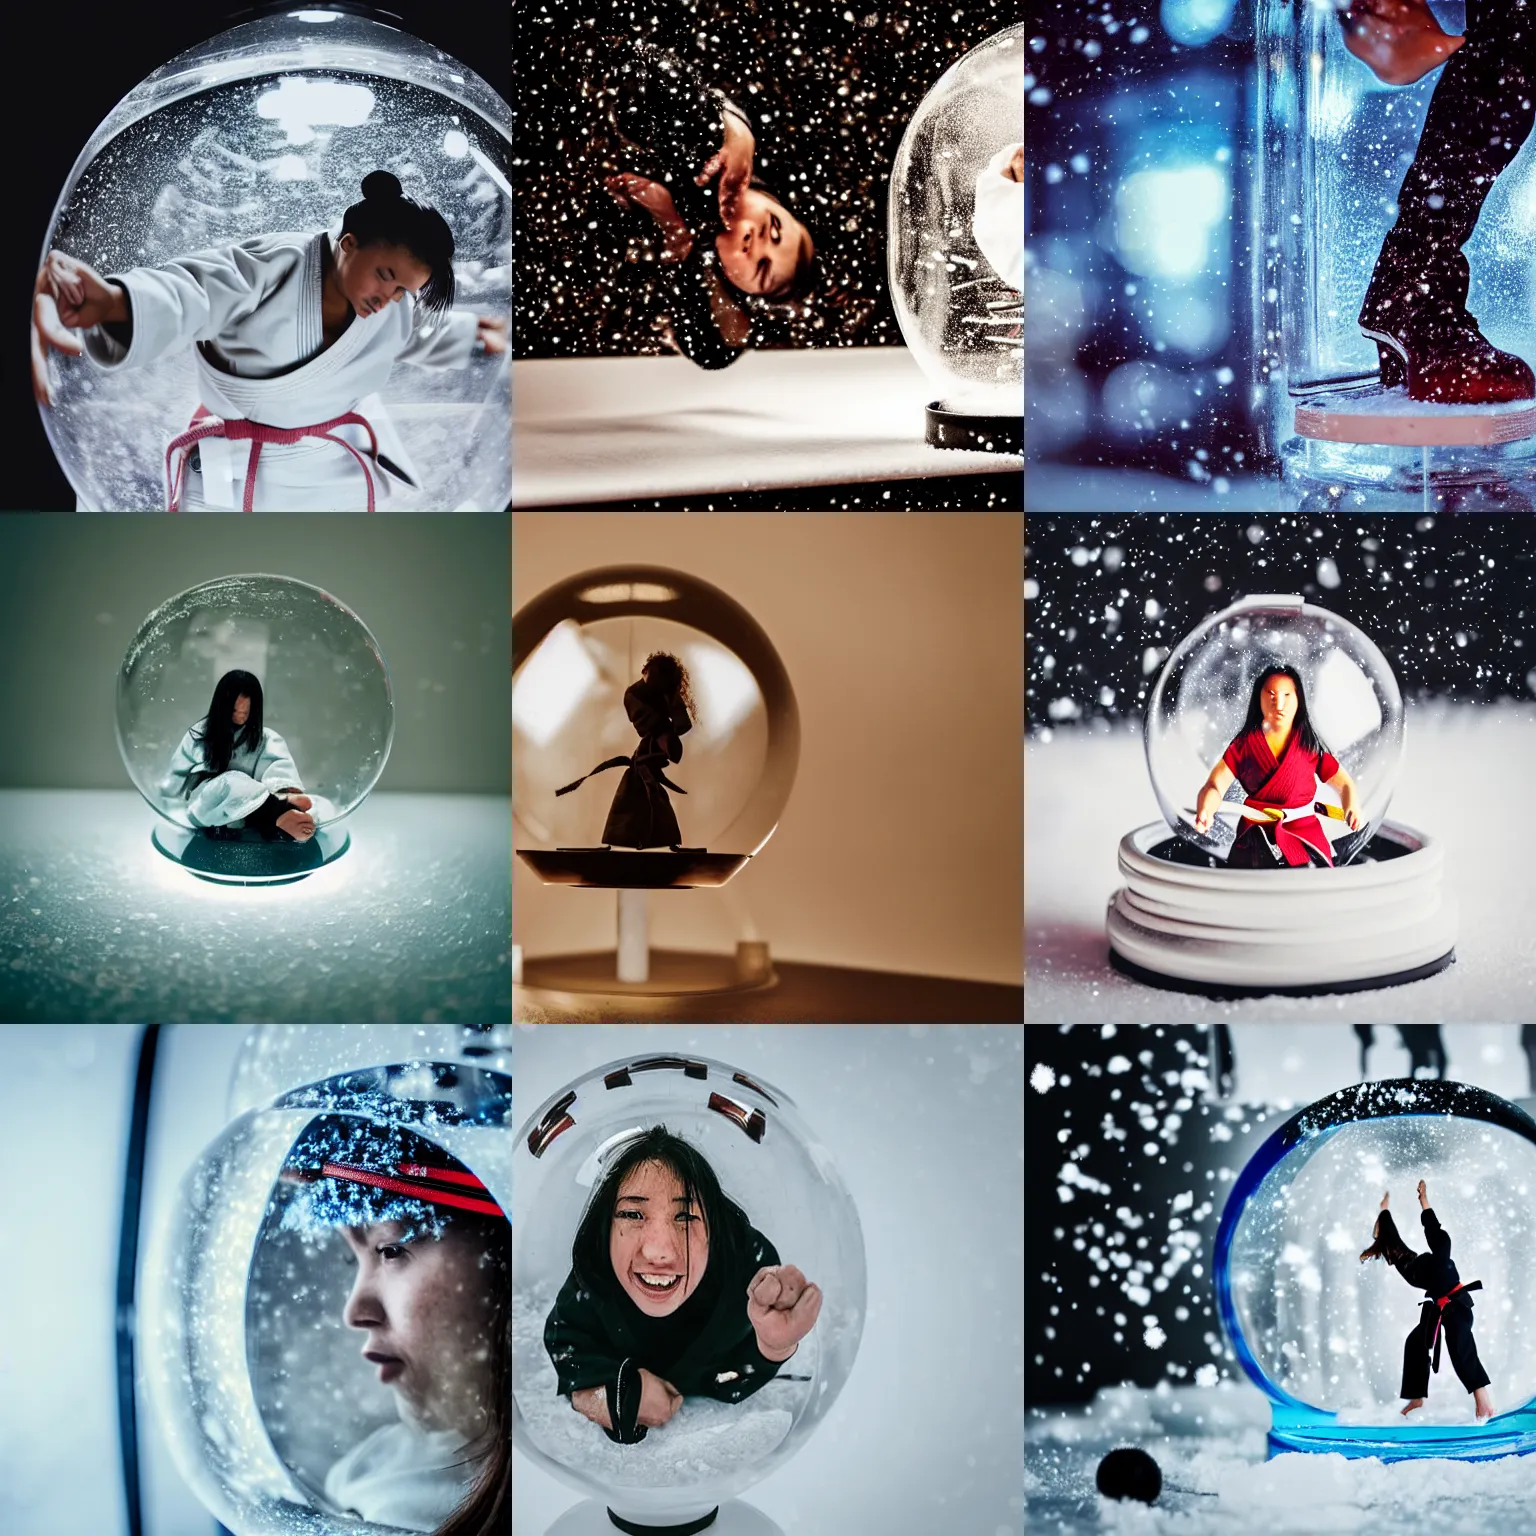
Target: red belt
point(1439, 1303)
point(258, 434)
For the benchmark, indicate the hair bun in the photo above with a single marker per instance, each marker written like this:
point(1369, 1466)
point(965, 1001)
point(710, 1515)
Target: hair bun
point(382, 184)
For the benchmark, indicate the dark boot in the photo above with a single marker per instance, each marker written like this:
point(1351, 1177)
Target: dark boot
point(1415, 307)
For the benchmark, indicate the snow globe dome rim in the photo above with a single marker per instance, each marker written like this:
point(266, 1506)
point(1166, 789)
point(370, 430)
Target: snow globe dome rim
point(204, 67)
point(1388, 1098)
point(135, 647)
point(688, 599)
point(548, 1125)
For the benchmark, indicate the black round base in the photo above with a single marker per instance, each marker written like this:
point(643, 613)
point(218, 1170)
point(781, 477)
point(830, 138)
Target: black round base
point(246, 859)
point(985, 434)
point(690, 1528)
point(1225, 993)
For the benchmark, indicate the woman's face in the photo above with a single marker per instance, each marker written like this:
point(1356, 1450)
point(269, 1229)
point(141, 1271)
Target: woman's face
point(372, 276)
point(657, 1234)
point(427, 1307)
point(242, 710)
point(1277, 700)
point(760, 251)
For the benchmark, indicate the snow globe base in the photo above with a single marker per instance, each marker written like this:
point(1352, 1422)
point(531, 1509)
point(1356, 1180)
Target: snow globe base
point(1388, 416)
point(588, 980)
point(1185, 922)
point(967, 429)
point(1307, 1429)
point(625, 869)
point(734, 1518)
point(248, 858)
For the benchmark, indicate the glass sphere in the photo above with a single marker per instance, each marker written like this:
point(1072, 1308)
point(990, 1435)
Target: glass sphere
point(955, 218)
point(324, 683)
point(578, 646)
point(771, 1164)
point(1201, 698)
point(271, 126)
point(256, 1378)
point(1320, 1332)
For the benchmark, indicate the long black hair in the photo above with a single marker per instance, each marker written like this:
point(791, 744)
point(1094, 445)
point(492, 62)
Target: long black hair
point(386, 216)
point(1302, 725)
point(216, 732)
point(725, 1223)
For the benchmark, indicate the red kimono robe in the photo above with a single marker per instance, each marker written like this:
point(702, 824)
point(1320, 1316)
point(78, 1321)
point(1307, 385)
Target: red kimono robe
point(1289, 783)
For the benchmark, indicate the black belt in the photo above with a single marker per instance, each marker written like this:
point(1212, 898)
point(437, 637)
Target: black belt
point(644, 760)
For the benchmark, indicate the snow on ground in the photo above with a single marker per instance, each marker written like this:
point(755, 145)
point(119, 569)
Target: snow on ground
point(704, 1440)
point(1210, 1444)
point(1084, 789)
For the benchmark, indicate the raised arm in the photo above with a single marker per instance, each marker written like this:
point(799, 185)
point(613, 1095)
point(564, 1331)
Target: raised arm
point(1439, 1238)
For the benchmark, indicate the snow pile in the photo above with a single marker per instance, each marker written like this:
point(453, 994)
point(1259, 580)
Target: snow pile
point(705, 1439)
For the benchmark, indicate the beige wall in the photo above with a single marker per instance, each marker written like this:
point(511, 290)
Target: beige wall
point(903, 633)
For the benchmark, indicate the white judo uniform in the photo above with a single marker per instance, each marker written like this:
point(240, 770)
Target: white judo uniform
point(998, 223)
point(404, 1476)
point(254, 773)
point(253, 311)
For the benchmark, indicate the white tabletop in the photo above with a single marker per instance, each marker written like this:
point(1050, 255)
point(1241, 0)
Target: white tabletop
point(601, 429)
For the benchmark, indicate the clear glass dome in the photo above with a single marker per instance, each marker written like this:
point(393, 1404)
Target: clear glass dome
point(576, 648)
point(267, 127)
point(953, 218)
point(1319, 1332)
point(767, 1160)
point(254, 1373)
point(1201, 697)
point(324, 683)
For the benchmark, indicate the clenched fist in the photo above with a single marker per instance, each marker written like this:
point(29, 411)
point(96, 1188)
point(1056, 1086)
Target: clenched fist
point(782, 1306)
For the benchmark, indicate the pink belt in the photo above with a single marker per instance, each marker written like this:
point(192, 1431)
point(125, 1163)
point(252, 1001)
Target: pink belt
point(258, 434)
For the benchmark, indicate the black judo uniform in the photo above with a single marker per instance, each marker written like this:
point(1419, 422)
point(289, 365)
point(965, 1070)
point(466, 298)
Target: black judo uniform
point(598, 1337)
point(641, 815)
point(620, 104)
point(1437, 1276)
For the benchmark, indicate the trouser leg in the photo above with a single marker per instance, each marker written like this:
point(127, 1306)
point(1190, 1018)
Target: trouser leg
point(1416, 1361)
point(1462, 1348)
point(1480, 114)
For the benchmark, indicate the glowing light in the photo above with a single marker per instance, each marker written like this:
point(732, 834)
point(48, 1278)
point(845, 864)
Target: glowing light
point(1195, 22)
point(552, 684)
point(725, 690)
point(1165, 219)
point(455, 144)
point(300, 106)
point(625, 591)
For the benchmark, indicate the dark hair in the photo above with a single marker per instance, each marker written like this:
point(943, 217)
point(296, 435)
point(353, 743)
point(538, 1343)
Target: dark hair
point(1388, 1244)
point(216, 733)
point(386, 216)
point(725, 1223)
point(487, 1508)
point(669, 674)
point(1308, 737)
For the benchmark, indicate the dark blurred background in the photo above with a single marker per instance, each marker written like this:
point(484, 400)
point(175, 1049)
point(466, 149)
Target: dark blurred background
point(79, 64)
point(1106, 599)
point(1138, 324)
point(830, 88)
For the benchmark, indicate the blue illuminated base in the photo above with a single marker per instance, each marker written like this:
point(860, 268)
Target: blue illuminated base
point(250, 860)
point(1308, 1429)
point(1328, 476)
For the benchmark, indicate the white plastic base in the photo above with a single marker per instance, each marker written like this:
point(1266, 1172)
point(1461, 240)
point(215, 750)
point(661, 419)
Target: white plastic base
point(1243, 932)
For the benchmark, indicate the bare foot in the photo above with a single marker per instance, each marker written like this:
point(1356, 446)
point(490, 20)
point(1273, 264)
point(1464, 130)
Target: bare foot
point(1413, 1402)
point(298, 825)
point(300, 802)
point(1398, 40)
point(1483, 1403)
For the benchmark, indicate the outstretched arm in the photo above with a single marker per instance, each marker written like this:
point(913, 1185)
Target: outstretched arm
point(1439, 1238)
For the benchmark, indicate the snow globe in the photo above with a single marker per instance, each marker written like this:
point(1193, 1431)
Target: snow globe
point(1320, 1333)
point(1373, 913)
point(267, 127)
point(956, 245)
point(252, 1318)
point(684, 1476)
point(577, 648)
point(1333, 145)
point(323, 689)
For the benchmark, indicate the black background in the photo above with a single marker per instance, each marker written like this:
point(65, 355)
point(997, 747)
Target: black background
point(1451, 602)
point(70, 65)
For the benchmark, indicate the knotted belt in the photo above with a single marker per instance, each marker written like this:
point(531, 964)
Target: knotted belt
point(259, 434)
point(1438, 1302)
point(646, 760)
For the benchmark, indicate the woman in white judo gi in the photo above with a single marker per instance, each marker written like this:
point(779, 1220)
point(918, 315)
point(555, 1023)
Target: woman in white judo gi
point(295, 334)
point(234, 772)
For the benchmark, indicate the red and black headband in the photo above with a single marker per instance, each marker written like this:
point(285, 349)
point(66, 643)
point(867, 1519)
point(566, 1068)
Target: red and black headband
point(453, 1187)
